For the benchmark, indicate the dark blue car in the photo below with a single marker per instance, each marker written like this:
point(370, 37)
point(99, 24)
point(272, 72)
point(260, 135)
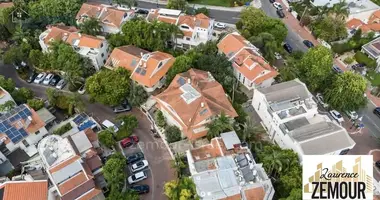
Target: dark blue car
point(140, 189)
point(288, 48)
point(308, 43)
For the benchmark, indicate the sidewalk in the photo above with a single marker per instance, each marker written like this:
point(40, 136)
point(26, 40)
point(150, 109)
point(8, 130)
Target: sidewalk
point(230, 9)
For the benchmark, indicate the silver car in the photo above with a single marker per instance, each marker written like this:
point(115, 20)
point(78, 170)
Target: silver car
point(61, 84)
point(40, 78)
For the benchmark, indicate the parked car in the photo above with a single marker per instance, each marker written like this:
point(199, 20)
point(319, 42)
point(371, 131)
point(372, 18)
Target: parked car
point(129, 141)
point(308, 43)
point(277, 5)
point(277, 56)
point(377, 163)
point(124, 107)
point(288, 48)
point(272, 1)
point(140, 165)
point(352, 115)
point(142, 11)
point(140, 189)
point(40, 78)
point(320, 100)
point(337, 69)
point(220, 25)
point(135, 157)
point(106, 124)
point(31, 77)
point(19, 65)
point(61, 84)
point(47, 79)
point(357, 65)
point(337, 116)
point(280, 13)
point(139, 176)
point(376, 111)
point(82, 89)
point(55, 80)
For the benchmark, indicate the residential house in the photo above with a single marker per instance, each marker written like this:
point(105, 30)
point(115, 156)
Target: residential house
point(250, 68)
point(111, 18)
point(290, 116)
point(25, 190)
point(69, 174)
point(193, 100)
point(372, 49)
point(4, 97)
point(367, 25)
point(21, 129)
point(196, 29)
point(226, 170)
point(94, 48)
point(148, 69)
point(6, 5)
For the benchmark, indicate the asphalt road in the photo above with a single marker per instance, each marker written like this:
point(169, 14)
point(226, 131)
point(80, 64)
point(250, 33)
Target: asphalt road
point(153, 148)
point(370, 120)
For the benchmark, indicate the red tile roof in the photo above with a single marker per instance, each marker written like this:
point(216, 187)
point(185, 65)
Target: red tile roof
point(25, 190)
point(72, 183)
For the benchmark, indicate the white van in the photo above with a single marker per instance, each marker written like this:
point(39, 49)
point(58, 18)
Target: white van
point(106, 124)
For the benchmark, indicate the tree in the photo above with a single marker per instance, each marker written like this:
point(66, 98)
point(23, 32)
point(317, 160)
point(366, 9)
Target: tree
point(254, 21)
point(106, 138)
point(129, 3)
point(74, 102)
point(22, 95)
point(52, 95)
point(7, 84)
point(8, 105)
point(109, 87)
point(91, 27)
point(178, 164)
point(137, 95)
point(126, 195)
point(160, 119)
point(36, 57)
point(173, 134)
point(295, 194)
point(113, 171)
point(181, 64)
point(267, 44)
point(218, 126)
point(252, 131)
point(182, 189)
point(20, 35)
point(36, 104)
point(16, 54)
point(203, 10)
point(128, 124)
point(330, 29)
point(4, 33)
point(340, 10)
point(346, 92)
point(315, 67)
point(116, 40)
point(55, 11)
point(177, 4)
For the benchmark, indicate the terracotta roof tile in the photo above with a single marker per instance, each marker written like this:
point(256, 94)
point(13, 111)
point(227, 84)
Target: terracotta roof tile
point(168, 20)
point(354, 23)
point(82, 189)
point(89, 10)
point(231, 44)
point(199, 20)
point(257, 193)
point(72, 183)
point(125, 56)
point(152, 76)
point(25, 190)
point(91, 135)
point(6, 4)
point(113, 16)
point(90, 195)
point(84, 40)
point(36, 123)
point(94, 163)
point(234, 197)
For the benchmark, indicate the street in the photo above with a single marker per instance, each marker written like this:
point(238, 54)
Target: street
point(153, 148)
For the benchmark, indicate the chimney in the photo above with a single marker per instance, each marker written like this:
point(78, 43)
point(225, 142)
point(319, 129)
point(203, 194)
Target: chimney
point(80, 35)
point(202, 104)
point(141, 54)
point(189, 81)
point(195, 19)
point(28, 121)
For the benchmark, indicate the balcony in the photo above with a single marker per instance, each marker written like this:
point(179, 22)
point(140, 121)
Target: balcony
point(291, 112)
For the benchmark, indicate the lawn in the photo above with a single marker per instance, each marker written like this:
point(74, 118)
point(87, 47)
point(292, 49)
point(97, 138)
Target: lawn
point(224, 3)
point(373, 77)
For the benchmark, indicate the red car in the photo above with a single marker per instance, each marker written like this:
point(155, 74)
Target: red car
point(129, 141)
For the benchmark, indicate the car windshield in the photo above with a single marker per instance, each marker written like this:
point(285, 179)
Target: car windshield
point(134, 177)
point(338, 115)
point(140, 164)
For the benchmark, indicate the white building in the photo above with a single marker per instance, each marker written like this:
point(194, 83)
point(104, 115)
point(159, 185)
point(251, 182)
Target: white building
point(224, 169)
point(94, 48)
point(21, 129)
point(291, 118)
point(196, 29)
point(372, 49)
point(111, 18)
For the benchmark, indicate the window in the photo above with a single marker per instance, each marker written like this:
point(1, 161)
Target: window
point(187, 38)
point(101, 45)
point(102, 55)
point(184, 27)
point(104, 61)
point(26, 144)
point(37, 132)
point(92, 48)
point(160, 65)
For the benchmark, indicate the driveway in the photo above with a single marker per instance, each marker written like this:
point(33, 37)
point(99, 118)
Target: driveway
point(153, 148)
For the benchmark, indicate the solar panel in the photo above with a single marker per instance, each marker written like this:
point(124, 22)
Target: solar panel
point(80, 118)
point(133, 63)
point(23, 132)
point(181, 81)
point(143, 72)
point(138, 70)
point(27, 112)
point(204, 111)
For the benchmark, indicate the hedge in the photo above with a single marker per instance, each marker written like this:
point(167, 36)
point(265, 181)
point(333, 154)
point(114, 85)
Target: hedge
point(63, 129)
point(361, 58)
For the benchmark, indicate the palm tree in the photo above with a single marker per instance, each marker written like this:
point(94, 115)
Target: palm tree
point(252, 131)
point(178, 165)
point(340, 10)
point(273, 163)
point(219, 125)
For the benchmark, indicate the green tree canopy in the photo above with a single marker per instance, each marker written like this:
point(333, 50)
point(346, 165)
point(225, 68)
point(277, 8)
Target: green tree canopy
point(346, 92)
point(22, 95)
point(203, 10)
point(36, 104)
point(160, 119)
point(181, 189)
point(267, 44)
point(91, 26)
point(315, 67)
point(173, 134)
point(129, 3)
point(8, 105)
point(330, 29)
point(181, 64)
point(16, 54)
point(128, 124)
point(106, 138)
point(7, 84)
point(177, 4)
point(218, 126)
point(113, 171)
point(254, 21)
point(137, 95)
point(109, 87)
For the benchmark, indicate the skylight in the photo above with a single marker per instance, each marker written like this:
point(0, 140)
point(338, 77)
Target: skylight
point(189, 93)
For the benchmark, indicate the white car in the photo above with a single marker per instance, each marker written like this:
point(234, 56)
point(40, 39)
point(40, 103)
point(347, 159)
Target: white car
point(337, 116)
point(61, 84)
point(40, 78)
point(47, 79)
point(320, 100)
point(139, 176)
point(277, 5)
point(106, 124)
point(352, 115)
point(220, 25)
point(140, 165)
point(82, 89)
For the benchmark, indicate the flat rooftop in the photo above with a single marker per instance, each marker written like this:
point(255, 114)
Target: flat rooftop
point(55, 149)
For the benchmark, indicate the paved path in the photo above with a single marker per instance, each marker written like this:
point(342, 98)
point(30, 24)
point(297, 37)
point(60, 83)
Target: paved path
point(153, 148)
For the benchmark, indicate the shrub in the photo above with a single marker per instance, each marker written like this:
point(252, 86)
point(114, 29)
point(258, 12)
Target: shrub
point(349, 60)
point(173, 134)
point(340, 48)
point(160, 119)
point(106, 138)
point(361, 58)
point(63, 129)
point(36, 104)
